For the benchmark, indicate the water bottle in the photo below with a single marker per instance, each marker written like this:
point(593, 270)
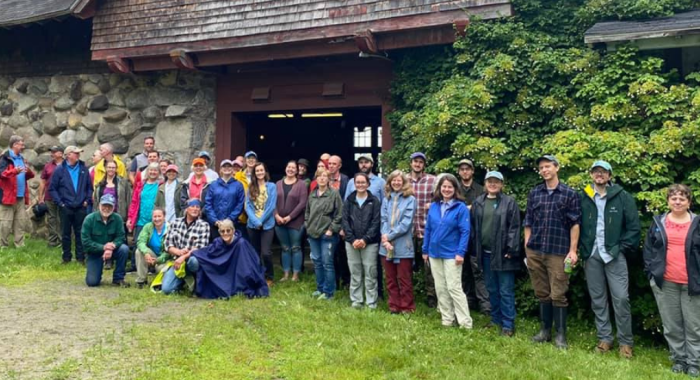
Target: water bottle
point(568, 268)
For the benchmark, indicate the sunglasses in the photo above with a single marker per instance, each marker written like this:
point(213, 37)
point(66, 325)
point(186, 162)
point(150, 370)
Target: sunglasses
point(226, 231)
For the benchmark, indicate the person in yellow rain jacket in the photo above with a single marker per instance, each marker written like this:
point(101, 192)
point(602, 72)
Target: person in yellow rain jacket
point(107, 152)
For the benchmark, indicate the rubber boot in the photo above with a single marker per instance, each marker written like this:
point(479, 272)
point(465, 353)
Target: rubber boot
point(560, 323)
point(545, 334)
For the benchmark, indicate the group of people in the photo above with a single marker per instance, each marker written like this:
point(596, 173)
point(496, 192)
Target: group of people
point(218, 228)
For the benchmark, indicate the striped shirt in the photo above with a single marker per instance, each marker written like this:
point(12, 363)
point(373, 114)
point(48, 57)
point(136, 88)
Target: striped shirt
point(550, 218)
point(423, 191)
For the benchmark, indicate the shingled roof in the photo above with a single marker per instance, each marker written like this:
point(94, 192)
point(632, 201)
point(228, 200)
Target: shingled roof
point(129, 24)
point(614, 31)
point(18, 12)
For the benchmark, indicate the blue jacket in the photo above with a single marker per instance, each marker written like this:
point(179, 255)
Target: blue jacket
point(448, 236)
point(224, 200)
point(267, 221)
point(61, 186)
point(400, 232)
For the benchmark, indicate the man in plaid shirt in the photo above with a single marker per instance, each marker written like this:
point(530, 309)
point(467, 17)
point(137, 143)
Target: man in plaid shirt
point(552, 226)
point(423, 186)
point(185, 235)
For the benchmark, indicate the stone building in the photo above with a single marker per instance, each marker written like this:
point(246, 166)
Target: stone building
point(286, 78)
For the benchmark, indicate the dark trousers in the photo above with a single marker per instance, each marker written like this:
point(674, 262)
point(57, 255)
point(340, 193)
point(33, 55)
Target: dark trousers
point(71, 223)
point(262, 242)
point(474, 286)
point(342, 270)
point(241, 227)
point(95, 264)
point(549, 280)
point(399, 285)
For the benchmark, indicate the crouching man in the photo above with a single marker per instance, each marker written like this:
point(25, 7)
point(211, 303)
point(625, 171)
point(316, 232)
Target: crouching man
point(103, 238)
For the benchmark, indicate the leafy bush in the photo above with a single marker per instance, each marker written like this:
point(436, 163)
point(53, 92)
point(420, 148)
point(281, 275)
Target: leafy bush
point(515, 88)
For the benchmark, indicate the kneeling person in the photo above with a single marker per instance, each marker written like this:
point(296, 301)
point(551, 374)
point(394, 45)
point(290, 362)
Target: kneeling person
point(186, 235)
point(103, 238)
point(150, 248)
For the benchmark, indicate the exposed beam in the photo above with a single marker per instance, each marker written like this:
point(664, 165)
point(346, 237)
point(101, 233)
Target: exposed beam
point(366, 42)
point(119, 65)
point(183, 60)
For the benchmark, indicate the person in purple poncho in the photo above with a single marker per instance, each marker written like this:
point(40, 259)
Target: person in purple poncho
point(229, 266)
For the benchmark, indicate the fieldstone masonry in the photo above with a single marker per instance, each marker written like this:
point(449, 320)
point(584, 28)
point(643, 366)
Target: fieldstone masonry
point(178, 108)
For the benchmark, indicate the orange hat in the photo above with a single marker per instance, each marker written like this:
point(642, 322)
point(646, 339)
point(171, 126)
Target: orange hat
point(199, 161)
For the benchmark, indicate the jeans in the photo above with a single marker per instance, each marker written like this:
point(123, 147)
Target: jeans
point(95, 264)
point(290, 240)
point(322, 253)
point(501, 287)
point(171, 282)
point(71, 223)
point(262, 242)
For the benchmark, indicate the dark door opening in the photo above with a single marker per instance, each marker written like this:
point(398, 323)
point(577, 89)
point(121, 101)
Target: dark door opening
point(280, 136)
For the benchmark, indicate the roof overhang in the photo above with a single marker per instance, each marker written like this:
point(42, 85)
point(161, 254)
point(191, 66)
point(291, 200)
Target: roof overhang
point(680, 30)
point(23, 12)
point(370, 38)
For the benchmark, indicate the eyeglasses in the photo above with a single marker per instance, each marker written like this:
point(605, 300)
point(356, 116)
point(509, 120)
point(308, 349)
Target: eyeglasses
point(226, 231)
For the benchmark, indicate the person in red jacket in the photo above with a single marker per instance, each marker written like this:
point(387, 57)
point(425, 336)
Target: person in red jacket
point(14, 192)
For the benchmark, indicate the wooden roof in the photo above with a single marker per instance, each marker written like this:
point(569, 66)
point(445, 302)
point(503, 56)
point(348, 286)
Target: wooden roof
point(613, 31)
point(18, 12)
point(124, 26)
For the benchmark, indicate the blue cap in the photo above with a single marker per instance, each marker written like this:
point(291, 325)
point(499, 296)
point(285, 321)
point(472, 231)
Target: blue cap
point(194, 202)
point(602, 164)
point(419, 155)
point(250, 153)
point(547, 157)
point(107, 199)
point(494, 174)
point(204, 153)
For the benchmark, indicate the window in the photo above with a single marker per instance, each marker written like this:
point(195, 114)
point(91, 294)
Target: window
point(363, 137)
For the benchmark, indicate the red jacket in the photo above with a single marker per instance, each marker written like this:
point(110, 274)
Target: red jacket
point(8, 180)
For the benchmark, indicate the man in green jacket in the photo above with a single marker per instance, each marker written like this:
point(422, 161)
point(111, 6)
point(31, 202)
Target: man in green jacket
point(610, 229)
point(103, 239)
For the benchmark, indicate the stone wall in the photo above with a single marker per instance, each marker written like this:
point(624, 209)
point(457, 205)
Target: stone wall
point(177, 108)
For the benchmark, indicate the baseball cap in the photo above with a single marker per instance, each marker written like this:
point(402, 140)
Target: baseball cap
point(547, 157)
point(226, 162)
point(466, 162)
point(303, 161)
point(204, 153)
point(72, 149)
point(494, 174)
point(172, 167)
point(250, 153)
point(238, 163)
point(602, 164)
point(418, 155)
point(199, 161)
point(107, 199)
point(367, 157)
point(56, 148)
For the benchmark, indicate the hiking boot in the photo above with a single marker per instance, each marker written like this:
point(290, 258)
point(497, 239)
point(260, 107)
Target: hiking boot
point(81, 262)
point(108, 265)
point(491, 325)
point(625, 351)
point(431, 302)
point(560, 322)
point(603, 347)
point(121, 283)
point(507, 333)
point(140, 285)
point(693, 372)
point(316, 294)
point(357, 305)
point(270, 283)
point(545, 334)
point(678, 368)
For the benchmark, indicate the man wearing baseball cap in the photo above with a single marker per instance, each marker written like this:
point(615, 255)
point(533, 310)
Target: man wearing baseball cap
point(104, 239)
point(610, 230)
point(365, 164)
point(423, 185)
point(52, 221)
point(552, 226)
point(71, 189)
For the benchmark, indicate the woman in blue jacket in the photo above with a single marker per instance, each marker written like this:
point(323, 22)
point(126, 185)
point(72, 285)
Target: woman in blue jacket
point(397, 242)
point(260, 207)
point(445, 246)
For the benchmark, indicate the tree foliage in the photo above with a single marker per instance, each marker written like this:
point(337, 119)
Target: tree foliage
point(513, 89)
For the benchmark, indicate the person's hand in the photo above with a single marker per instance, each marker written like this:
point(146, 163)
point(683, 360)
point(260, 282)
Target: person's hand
point(279, 219)
point(130, 225)
point(425, 258)
point(329, 233)
point(150, 260)
point(107, 255)
point(85, 204)
point(427, 206)
point(357, 244)
point(286, 219)
point(388, 246)
point(459, 260)
point(420, 235)
point(573, 256)
point(110, 246)
point(178, 262)
point(362, 244)
point(216, 224)
point(342, 233)
point(385, 238)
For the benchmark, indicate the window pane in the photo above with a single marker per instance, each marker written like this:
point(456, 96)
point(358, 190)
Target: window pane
point(363, 139)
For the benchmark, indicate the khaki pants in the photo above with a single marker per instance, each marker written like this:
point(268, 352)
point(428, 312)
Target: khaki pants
point(448, 286)
point(142, 268)
point(13, 220)
point(548, 278)
point(53, 223)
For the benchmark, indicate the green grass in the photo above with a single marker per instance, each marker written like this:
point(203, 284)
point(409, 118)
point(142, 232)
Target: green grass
point(287, 336)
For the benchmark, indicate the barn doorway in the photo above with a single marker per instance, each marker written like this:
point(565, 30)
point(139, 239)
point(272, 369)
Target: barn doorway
point(280, 136)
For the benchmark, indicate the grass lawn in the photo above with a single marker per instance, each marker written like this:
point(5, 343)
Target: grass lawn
point(54, 327)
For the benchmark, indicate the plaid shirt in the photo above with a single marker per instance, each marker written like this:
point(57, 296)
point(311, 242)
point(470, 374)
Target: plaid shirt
point(550, 218)
point(182, 236)
point(423, 191)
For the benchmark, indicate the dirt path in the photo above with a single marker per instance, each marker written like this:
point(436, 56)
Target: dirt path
point(47, 329)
